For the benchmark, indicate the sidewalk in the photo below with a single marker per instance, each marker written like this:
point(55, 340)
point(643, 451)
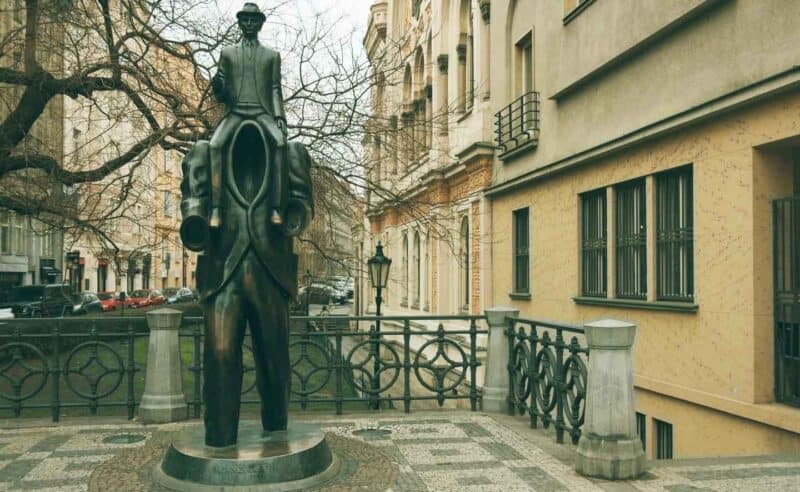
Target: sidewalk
point(433, 451)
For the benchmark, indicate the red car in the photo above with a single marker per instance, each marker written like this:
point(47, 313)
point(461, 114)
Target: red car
point(156, 297)
point(108, 301)
point(138, 298)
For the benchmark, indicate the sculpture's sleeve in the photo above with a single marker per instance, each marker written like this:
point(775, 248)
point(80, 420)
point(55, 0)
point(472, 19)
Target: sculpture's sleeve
point(220, 79)
point(195, 191)
point(277, 90)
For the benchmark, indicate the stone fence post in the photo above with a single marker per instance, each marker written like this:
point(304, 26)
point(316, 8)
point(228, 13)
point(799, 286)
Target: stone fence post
point(163, 399)
point(609, 446)
point(495, 381)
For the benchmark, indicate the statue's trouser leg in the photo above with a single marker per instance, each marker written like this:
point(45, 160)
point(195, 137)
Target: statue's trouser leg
point(268, 314)
point(278, 170)
point(222, 365)
point(222, 136)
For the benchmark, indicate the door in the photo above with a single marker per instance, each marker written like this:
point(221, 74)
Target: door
point(786, 222)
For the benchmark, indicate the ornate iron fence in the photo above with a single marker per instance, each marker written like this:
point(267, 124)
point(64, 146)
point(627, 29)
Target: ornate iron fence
point(547, 376)
point(63, 363)
point(93, 363)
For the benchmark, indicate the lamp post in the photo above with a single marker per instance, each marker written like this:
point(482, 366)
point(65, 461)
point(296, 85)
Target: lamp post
point(379, 278)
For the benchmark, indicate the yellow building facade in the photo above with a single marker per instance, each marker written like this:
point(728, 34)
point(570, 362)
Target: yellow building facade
point(631, 159)
point(649, 197)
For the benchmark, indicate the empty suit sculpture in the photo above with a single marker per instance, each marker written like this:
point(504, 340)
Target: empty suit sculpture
point(246, 193)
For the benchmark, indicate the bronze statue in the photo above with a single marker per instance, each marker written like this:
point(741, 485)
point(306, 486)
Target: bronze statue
point(245, 195)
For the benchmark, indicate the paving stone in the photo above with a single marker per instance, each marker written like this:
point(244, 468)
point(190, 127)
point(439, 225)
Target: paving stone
point(501, 451)
point(409, 482)
point(17, 469)
point(50, 443)
point(480, 480)
point(537, 478)
point(445, 452)
point(473, 430)
point(740, 473)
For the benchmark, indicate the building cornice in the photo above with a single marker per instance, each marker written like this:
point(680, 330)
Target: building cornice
point(782, 82)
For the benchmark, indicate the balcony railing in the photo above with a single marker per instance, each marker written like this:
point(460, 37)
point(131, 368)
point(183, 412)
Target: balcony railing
point(60, 366)
point(517, 125)
point(547, 375)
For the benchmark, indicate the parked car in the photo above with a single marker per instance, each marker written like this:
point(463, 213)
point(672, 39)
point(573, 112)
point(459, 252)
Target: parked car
point(156, 297)
point(86, 302)
point(138, 298)
point(109, 301)
point(6, 313)
point(40, 300)
point(174, 296)
point(314, 294)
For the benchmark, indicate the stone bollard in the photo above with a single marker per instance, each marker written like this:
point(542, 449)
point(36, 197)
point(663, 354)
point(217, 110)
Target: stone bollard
point(495, 381)
point(609, 446)
point(163, 399)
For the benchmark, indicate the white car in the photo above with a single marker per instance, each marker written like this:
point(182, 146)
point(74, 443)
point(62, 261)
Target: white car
point(6, 313)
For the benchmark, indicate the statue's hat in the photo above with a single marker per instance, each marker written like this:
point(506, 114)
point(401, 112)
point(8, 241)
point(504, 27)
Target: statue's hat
point(251, 9)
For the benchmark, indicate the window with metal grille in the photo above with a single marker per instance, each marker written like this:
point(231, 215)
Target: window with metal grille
point(521, 251)
point(674, 235)
point(631, 240)
point(594, 256)
point(663, 440)
point(641, 429)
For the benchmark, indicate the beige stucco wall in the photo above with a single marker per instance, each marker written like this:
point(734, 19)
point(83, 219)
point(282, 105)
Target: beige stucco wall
point(727, 47)
point(702, 432)
point(719, 356)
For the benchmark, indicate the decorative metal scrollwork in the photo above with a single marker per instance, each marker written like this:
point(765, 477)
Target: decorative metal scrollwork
point(544, 380)
point(20, 370)
point(575, 389)
point(441, 364)
point(520, 375)
point(102, 361)
point(366, 366)
point(305, 359)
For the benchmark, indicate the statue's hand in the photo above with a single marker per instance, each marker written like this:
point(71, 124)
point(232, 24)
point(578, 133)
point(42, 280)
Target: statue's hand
point(218, 84)
point(281, 125)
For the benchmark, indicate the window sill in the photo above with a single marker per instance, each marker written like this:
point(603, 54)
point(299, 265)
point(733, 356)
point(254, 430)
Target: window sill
point(519, 150)
point(679, 307)
point(466, 114)
point(520, 296)
point(575, 12)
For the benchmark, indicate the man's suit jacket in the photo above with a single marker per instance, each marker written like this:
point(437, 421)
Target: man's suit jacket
point(267, 64)
point(246, 223)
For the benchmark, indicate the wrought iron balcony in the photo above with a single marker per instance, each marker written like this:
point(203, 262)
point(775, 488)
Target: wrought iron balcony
point(517, 125)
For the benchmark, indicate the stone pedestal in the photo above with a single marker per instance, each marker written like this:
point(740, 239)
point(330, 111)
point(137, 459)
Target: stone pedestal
point(293, 459)
point(495, 388)
point(163, 399)
point(609, 446)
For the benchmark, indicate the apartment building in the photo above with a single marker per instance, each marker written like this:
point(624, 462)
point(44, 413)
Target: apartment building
point(30, 249)
point(647, 168)
point(431, 153)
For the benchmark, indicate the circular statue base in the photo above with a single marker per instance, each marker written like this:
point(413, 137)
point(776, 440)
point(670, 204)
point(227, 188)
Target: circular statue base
point(293, 459)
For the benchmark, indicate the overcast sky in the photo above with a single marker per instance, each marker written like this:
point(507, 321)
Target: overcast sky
point(352, 12)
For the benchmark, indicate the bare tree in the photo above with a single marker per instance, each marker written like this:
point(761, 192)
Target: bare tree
point(130, 78)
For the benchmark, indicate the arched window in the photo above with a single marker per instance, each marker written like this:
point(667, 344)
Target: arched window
point(417, 270)
point(426, 295)
point(407, 119)
point(466, 57)
point(463, 266)
point(419, 104)
point(404, 273)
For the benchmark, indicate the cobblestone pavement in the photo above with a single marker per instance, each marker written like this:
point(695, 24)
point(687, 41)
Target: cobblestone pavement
point(434, 451)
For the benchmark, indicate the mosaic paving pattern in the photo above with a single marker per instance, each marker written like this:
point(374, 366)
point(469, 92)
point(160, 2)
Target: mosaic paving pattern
point(448, 452)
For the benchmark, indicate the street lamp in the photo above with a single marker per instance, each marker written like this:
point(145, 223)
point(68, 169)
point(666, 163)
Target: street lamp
point(379, 278)
point(379, 274)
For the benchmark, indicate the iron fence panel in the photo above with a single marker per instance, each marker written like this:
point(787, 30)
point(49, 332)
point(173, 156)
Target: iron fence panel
point(547, 376)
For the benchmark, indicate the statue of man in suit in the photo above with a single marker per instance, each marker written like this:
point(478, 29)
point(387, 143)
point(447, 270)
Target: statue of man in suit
point(248, 82)
point(247, 273)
